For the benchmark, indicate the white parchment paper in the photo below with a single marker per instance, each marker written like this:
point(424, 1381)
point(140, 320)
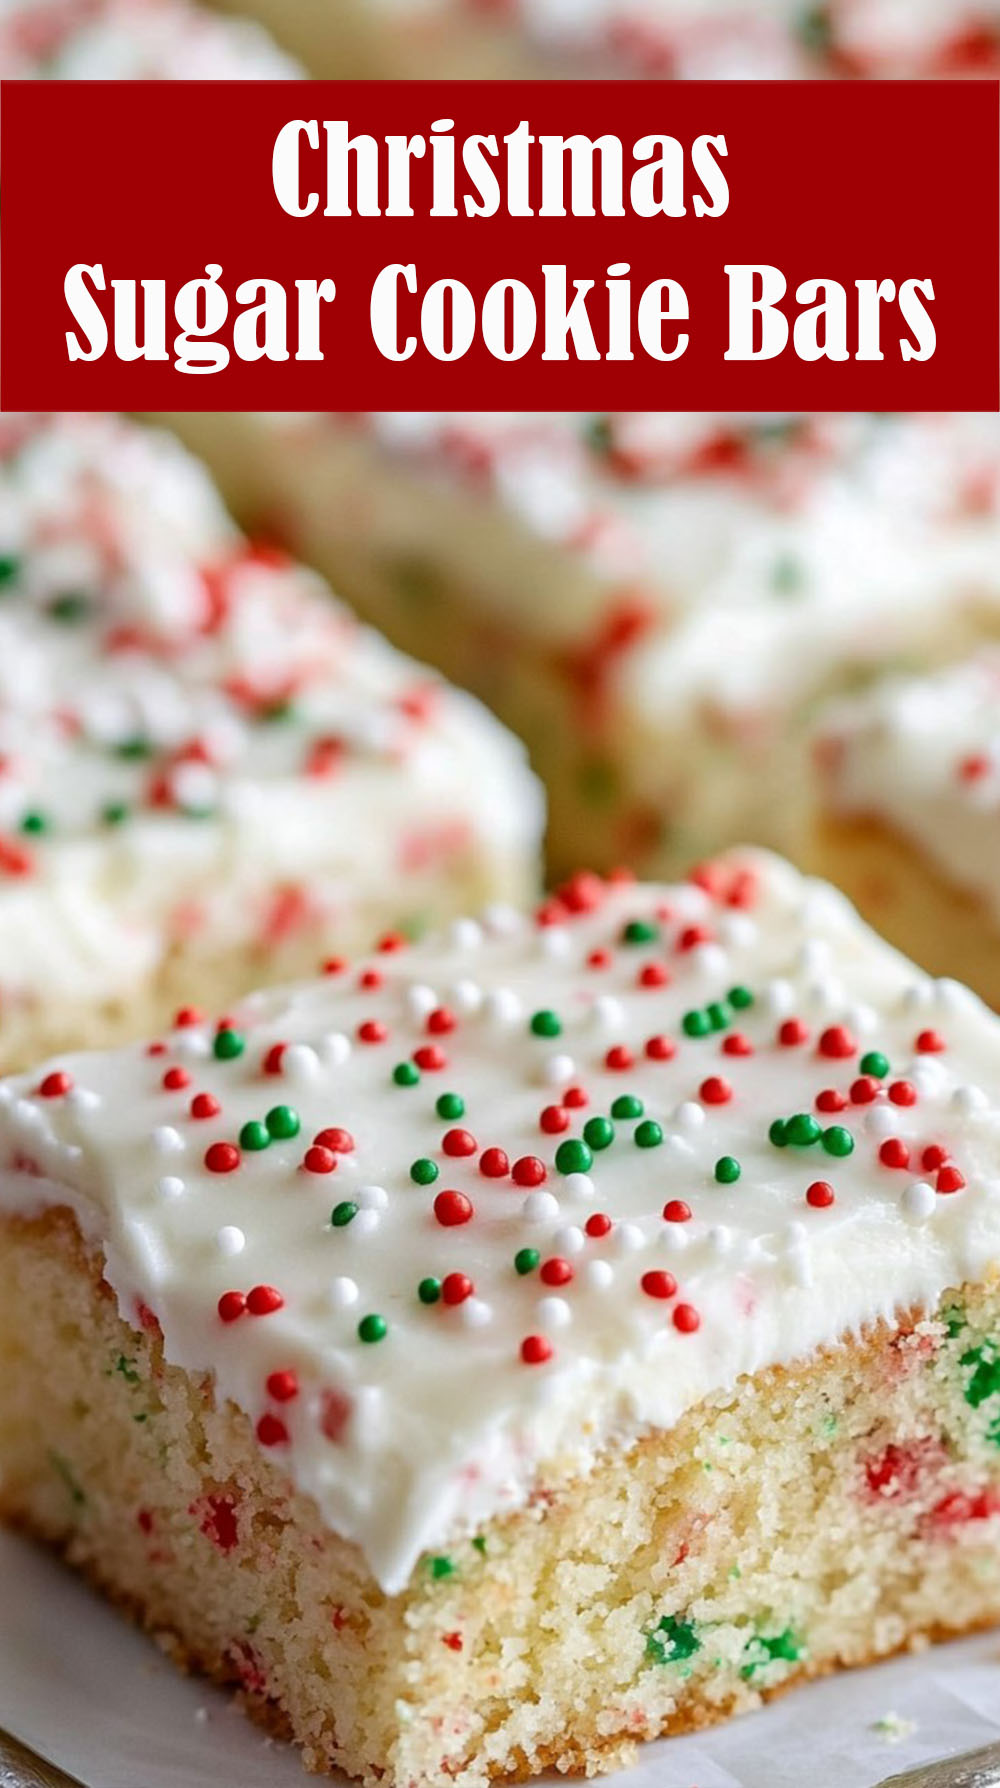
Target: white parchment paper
point(81, 1686)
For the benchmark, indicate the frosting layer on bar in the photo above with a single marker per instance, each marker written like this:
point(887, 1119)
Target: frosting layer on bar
point(457, 1216)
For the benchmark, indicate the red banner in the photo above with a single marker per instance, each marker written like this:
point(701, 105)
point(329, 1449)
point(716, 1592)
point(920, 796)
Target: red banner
point(552, 245)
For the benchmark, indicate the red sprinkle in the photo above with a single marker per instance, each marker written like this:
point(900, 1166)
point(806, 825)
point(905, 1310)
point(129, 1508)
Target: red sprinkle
point(430, 1058)
point(338, 1141)
point(554, 1120)
point(391, 941)
point(619, 1058)
point(792, 1032)
point(372, 1031)
point(894, 1153)
point(175, 1079)
point(692, 936)
point(715, 1091)
point(599, 959)
point(459, 1142)
point(231, 1305)
point(319, 1160)
point(902, 1093)
point(528, 1171)
point(820, 1195)
point(658, 1284)
point(933, 1157)
point(283, 1386)
point(864, 1090)
point(676, 1211)
point(661, 1049)
point(654, 974)
point(271, 1431)
point(494, 1164)
point(187, 1016)
point(440, 1021)
point(455, 1288)
point(598, 1224)
point(737, 1044)
point(453, 1208)
point(555, 1271)
point(56, 1084)
point(334, 965)
point(830, 1100)
point(837, 1043)
point(370, 979)
point(930, 1043)
point(950, 1180)
point(222, 1157)
point(686, 1319)
point(205, 1105)
point(575, 1098)
point(263, 1300)
point(535, 1350)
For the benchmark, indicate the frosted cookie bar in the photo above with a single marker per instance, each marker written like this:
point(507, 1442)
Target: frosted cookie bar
point(909, 815)
point(505, 1349)
point(210, 775)
point(133, 40)
point(655, 603)
point(696, 39)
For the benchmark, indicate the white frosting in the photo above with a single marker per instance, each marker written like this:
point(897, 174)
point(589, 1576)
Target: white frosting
point(133, 40)
point(923, 755)
point(443, 1424)
point(197, 744)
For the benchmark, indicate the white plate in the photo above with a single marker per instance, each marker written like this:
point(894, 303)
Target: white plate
point(84, 1688)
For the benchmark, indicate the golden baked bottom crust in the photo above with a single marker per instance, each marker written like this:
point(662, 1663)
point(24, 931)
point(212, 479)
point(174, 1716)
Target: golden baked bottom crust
point(825, 1514)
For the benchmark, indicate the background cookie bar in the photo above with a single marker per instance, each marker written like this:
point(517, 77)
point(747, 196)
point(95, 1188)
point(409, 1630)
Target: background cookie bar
point(133, 40)
point(522, 1344)
point(909, 815)
point(655, 603)
point(209, 773)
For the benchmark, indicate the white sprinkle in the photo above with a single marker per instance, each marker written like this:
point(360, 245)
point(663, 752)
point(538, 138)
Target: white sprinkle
point(466, 996)
point(738, 931)
point(794, 1234)
point(466, 934)
point(916, 997)
point(192, 1043)
point(476, 1313)
point(420, 1000)
point(599, 1274)
point(555, 942)
point(813, 957)
point(170, 1186)
point(689, 1116)
point(881, 1120)
point(862, 1019)
point(503, 921)
point(607, 1012)
point(968, 1099)
point(919, 1200)
point(335, 1049)
point(928, 1075)
point(300, 1063)
point(627, 1238)
point(579, 1185)
point(83, 1099)
point(230, 1240)
point(371, 1198)
point(677, 1148)
point(167, 1141)
point(503, 1006)
point(553, 1313)
point(569, 1240)
point(343, 1293)
point(798, 1267)
point(557, 1070)
point(674, 1238)
point(719, 1239)
point(952, 996)
point(539, 1207)
point(365, 1223)
point(778, 998)
point(826, 994)
point(710, 960)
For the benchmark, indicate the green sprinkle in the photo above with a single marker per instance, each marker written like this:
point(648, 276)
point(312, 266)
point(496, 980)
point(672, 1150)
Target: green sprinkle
point(599, 1132)
point(424, 1172)
point(787, 575)
point(283, 1122)
point(126, 1368)
point(133, 748)
point(429, 1290)
point(778, 1134)
point(640, 931)
point(719, 1015)
point(372, 1328)
point(985, 1380)
point(60, 1465)
point(648, 1134)
point(255, 1135)
point(442, 1567)
point(9, 568)
point(696, 1024)
point(627, 1106)
point(526, 1260)
point(450, 1105)
point(727, 1170)
point(802, 1130)
point(343, 1214)
point(574, 1157)
point(228, 1045)
point(781, 1648)
point(600, 434)
point(34, 823)
point(284, 709)
point(875, 1063)
point(546, 1024)
point(73, 606)
point(479, 1541)
point(672, 1641)
point(114, 813)
point(838, 1141)
point(741, 998)
point(814, 29)
point(406, 1074)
